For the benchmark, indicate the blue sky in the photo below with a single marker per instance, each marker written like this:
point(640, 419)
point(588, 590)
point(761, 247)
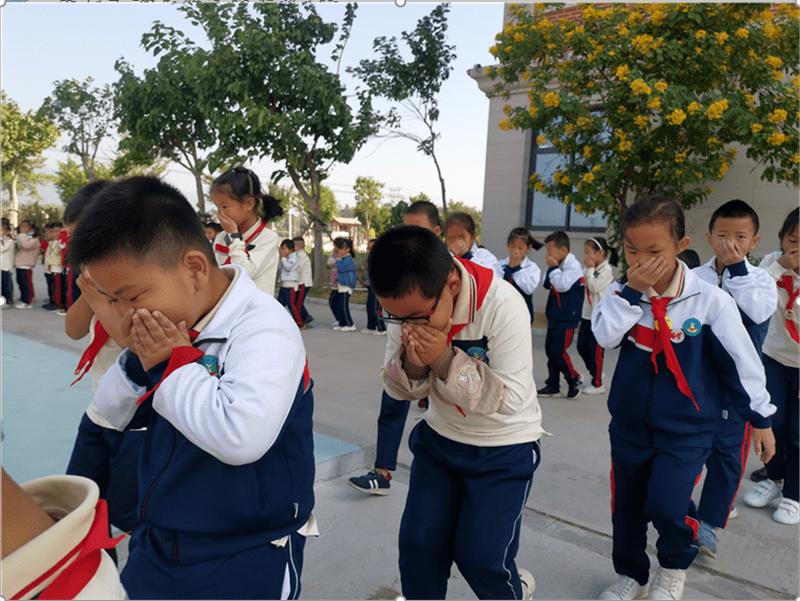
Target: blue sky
point(44, 42)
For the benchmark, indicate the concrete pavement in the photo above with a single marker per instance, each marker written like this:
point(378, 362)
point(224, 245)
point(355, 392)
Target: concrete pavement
point(565, 539)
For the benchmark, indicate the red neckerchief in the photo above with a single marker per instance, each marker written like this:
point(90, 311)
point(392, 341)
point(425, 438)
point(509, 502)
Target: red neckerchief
point(483, 278)
point(225, 250)
point(89, 355)
point(787, 283)
point(182, 355)
point(662, 342)
point(77, 575)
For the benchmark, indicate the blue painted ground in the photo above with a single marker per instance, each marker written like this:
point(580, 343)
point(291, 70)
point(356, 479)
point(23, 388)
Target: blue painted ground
point(41, 412)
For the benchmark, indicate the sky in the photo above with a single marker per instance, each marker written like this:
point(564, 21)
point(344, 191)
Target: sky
point(44, 42)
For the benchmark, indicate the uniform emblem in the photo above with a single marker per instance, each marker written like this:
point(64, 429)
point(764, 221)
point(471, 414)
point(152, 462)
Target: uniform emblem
point(211, 363)
point(789, 315)
point(691, 327)
point(669, 323)
point(478, 353)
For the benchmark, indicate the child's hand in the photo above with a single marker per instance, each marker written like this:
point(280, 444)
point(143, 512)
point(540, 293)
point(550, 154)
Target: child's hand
point(154, 337)
point(641, 277)
point(89, 289)
point(764, 443)
point(228, 224)
point(728, 252)
point(587, 260)
point(791, 259)
point(458, 247)
point(429, 342)
point(551, 261)
point(515, 259)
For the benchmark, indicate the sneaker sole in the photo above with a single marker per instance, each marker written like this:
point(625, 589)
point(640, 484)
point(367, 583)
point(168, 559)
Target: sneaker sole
point(707, 551)
point(381, 492)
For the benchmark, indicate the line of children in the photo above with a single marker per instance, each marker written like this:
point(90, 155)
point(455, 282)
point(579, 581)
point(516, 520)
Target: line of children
point(597, 275)
point(375, 324)
point(243, 213)
point(306, 277)
point(564, 279)
point(733, 234)
point(7, 263)
point(476, 449)
point(217, 371)
point(27, 253)
point(346, 279)
point(393, 414)
point(683, 347)
point(780, 357)
point(517, 269)
point(462, 241)
point(289, 277)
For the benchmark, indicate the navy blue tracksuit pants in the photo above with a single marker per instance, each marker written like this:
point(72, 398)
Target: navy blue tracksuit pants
point(782, 385)
point(374, 322)
point(391, 423)
point(464, 505)
point(556, 344)
point(591, 352)
point(342, 309)
point(653, 485)
point(8, 287)
point(25, 283)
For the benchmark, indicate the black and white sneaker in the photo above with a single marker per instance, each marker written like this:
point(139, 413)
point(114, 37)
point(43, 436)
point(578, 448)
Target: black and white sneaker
point(372, 483)
point(548, 391)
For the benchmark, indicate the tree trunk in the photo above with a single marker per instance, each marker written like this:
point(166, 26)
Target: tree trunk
point(198, 182)
point(441, 182)
point(319, 256)
point(14, 200)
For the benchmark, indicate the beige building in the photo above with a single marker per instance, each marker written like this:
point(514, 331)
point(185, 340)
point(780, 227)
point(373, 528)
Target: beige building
point(509, 203)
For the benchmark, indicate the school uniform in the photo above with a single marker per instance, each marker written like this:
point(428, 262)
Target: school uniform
point(346, 276)
point(476, 449)
point(227, 465)
point(334, 281)
point(53, 272)
point(374, 322)
point(24, 261)
point(69, 276)
point(290, 283)
point(666, 402)
point(6, 264)
point(563, 312)
point(597, 279)
point(782, 362)
point(256, 250)
point(756, 297)
point(524, 277)
point(306, 282)
point(480, 256)
point(69, 559)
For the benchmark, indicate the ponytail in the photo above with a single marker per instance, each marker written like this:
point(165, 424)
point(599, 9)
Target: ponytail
point(240, 183)
point(611, 254)
point(342, 242)
point(525, 236)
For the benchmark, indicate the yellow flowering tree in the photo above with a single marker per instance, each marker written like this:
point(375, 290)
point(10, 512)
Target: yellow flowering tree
point(646, 98)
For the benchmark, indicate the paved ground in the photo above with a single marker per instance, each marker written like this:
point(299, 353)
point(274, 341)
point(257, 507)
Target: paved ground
point(565, 539)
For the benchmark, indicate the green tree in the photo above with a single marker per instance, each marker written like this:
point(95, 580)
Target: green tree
point(678, 85)
point(413, 84)
point(266, 94)
point(84, 114)
point(41, 214)
point(161, 116)
point(397, 213)
point(23, 138)
point(71, 177)
point(368, 200)
point(460, 207)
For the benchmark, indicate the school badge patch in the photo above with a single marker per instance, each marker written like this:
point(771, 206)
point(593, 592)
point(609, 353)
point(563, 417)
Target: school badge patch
point(691, 327)
point(211, 363)
point(478, 353)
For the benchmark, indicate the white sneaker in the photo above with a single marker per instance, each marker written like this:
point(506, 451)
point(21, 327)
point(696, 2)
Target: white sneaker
point(788, 512)
point(764, 492)
point(589, 389)
point(347, 328)
point(734, 513)
point(667, 584)
point(528, 583)
point(337, 326)
point(23, 306)
point(379, 333)
point(334, 324)
point(368, 331)
point(624, 588)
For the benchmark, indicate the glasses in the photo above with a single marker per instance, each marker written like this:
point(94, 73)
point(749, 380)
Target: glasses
point(422, 320)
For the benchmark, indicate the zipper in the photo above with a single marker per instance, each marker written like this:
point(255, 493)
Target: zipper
point(150, 490)
point(175, 549)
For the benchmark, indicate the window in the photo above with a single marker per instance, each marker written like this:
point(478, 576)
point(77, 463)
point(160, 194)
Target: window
point(545, 212)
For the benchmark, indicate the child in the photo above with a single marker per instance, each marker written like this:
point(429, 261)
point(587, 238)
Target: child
point(7, 262)
point(212, 229)
point(375, 324)
point(346, 277)
point(462, 241)
point(476, 449)
point(334, 282)
point(781, 365)
point(227, 464)
point(72, 216)
point(55, 536)
point(247, 240)
point(392, 418)
point(24, 261)
point(682, 348)
point(54, 269)
point(564, 279)
point(518, 270)
point(290, 281)
point(598, 259)
point(306, 277)
point(732, 233)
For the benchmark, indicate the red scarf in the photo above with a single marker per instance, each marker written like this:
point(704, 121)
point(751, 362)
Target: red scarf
point(182, 355)
point(89, 355)
point(662, 342)
point(225, 250)
point(787, 283)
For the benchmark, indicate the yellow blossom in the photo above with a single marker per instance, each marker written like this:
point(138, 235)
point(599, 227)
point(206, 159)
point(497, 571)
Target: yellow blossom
point(526, 76)
point(551, 99)
point(721, 37)
point(756, 127)
point(694, 107)
point(589, 84)
point(588, 178)
point(778, 116)
point(519, 37)
point(587, 151)
point(680, 157)
point(566, 198)
point(742, 33)
point(777, 75)
point(623, 31)
point(541, 140)
point(774, 62)
point(771, 32)
point(660, 149)
point(596, 168)
point(660, 86)
point(654, 103)
point(676, 117)
point(623, 72)
point(569, 129)
point(624, 146)
point(749, 99)
point(678, 171)
point(539, 186)
point(700, 34)
point(533, 112)
point(777, 138)
point(712, 141)
point(505, 125)
point(796, 158)
point(698, 174)
point(639, 87)
point(716, 109)
point(641, 121)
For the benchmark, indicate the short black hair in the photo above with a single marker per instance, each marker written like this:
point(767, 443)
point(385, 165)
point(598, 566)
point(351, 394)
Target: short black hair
point(560, 239)
point(408, 258)
point(789, 224)
point(214, 226)
point(464, 220)
point(732, 209)
point(690, 257)
point(300, 239)
point(77, 204)
point(423, 207)
point(656, 208)
point(288, 243)
point(141, 217)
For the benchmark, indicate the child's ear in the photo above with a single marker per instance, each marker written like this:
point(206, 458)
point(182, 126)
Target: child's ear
point(710, 239)
point(754, 243)
point(683, 244)
point(197, 267)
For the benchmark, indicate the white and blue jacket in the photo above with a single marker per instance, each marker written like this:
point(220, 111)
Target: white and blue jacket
point(565, 302)
point(228, 459)
point(524, 277)
point(346, 271)
point(480, 256)
point(714, 352)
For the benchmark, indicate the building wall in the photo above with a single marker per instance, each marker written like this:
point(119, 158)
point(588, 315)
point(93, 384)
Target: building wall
point(506, 179)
